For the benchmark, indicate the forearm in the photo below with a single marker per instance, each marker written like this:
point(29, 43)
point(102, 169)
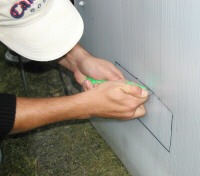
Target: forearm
point(33, 113)
point(110, 99)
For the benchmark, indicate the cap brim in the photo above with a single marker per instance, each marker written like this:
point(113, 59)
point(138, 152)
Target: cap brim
point(49, 37)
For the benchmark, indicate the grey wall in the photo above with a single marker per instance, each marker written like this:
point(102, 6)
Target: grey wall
point(157, 42)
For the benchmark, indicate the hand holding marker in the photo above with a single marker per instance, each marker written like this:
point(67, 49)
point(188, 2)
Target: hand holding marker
point(94, 81)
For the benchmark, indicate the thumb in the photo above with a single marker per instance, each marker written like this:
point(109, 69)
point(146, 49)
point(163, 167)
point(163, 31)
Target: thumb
point(135, 91)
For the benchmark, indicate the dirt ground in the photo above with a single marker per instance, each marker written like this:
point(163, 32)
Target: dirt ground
point(71, 148)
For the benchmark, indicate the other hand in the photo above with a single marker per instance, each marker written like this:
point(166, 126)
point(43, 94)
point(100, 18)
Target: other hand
point(84, 64)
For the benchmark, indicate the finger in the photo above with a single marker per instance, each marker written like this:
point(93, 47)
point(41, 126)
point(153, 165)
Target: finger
point(135, 91)
point(140, 111)
point(95, 85)
point(114, 75)
point(118, 73)
point(84, 85)
point(87, 85)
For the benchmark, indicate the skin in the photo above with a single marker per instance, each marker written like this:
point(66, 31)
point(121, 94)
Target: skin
point(112, 99)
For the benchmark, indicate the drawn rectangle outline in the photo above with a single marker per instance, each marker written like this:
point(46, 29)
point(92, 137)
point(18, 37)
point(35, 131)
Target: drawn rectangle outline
point(137, 80)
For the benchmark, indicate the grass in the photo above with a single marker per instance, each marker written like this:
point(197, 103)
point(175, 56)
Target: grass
point(72, 148)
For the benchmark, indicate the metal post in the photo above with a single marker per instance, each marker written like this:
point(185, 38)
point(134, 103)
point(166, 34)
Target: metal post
point(23, 75)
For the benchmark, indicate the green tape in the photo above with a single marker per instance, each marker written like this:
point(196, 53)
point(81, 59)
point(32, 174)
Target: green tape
point(94, 81)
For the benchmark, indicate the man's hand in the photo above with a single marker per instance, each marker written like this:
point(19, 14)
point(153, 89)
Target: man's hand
point(84, 64)
point(115, 99)
point(112, 99)
point(98, 69)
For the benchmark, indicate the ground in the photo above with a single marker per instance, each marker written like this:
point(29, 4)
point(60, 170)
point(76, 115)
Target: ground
point(71, 148)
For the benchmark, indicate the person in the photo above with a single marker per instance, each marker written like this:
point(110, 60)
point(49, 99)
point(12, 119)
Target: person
point(45, 30)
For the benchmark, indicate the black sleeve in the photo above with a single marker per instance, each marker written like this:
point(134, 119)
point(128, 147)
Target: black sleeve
point(7, 113)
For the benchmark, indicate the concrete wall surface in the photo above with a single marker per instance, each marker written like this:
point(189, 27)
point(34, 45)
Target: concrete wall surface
point(155, 43)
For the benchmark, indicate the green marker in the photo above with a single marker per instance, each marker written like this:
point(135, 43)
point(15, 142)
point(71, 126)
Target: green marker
point(94, 81)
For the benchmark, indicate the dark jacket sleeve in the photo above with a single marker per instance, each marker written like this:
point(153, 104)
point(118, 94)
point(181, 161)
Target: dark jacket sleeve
point(7, 113)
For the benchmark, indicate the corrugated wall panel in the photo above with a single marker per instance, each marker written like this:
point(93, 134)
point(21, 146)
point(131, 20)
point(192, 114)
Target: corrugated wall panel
point(158, 42)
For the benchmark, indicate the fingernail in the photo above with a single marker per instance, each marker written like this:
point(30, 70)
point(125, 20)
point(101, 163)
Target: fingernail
point(144, 93)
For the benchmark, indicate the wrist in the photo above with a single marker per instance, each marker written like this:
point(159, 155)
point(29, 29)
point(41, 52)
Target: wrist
point(83, 105)
point(76, 56)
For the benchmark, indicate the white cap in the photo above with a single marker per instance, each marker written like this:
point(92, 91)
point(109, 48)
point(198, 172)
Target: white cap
point(40, 30)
